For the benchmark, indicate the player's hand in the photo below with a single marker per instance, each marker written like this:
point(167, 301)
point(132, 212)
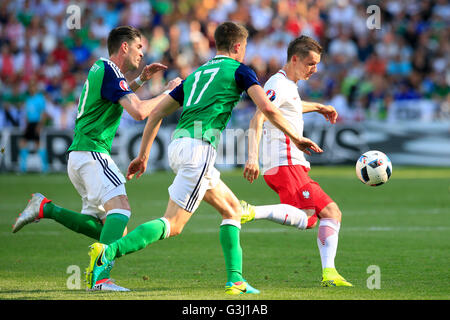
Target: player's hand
point(304, 144)
point(251, 171)
point(328, 112)
point(137, 167)
point(150, 69)
point(172, 84)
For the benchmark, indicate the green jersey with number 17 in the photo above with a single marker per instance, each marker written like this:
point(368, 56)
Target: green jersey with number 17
point(99, 111)
point(208, 97)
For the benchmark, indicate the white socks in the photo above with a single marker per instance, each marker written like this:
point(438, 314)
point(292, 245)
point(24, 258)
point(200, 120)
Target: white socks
point(327, 241)
point(283, 214)
point(328, 234)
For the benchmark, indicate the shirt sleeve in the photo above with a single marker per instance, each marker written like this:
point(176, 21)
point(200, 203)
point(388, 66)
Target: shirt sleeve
point(245, 77)
point(274, 92)
point(178, 93)
point(114, 85)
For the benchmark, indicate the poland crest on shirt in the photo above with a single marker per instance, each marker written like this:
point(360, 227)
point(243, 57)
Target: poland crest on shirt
point(277, 148)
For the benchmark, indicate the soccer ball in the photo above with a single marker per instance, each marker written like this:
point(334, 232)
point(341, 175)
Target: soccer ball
point(373, 168)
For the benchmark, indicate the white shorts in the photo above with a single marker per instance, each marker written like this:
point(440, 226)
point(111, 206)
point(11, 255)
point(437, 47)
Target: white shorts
point(192, 160)
point(96, 178)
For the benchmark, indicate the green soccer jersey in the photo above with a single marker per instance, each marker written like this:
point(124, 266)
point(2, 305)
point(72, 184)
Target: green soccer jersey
point(208, 97)
point(99, 111)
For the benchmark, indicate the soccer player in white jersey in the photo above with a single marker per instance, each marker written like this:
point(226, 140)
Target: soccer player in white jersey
point(285, 168)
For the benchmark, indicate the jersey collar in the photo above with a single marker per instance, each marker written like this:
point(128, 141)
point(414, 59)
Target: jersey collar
point(283, 73)
point(221, 56)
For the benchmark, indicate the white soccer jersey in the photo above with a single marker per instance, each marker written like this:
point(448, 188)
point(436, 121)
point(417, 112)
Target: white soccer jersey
point(277, 148)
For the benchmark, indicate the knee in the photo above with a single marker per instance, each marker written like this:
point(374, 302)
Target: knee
point(175, 230)
point(232, 211)
point(331, 211)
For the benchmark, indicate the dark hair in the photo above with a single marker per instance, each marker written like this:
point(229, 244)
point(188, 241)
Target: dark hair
point(119, 35)
point(301, 47)
point(229, 33)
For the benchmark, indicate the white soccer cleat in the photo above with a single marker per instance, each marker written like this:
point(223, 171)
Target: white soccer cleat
point(107, 285)
point(30, 213)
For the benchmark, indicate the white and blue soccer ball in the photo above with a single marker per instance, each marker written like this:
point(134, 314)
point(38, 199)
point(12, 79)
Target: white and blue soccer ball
point(373, 168)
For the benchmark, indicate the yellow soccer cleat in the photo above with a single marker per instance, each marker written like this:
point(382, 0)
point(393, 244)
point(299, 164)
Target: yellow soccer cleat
point(248, 212)
point(98, 264)
point(331, 278)
point(241, 287)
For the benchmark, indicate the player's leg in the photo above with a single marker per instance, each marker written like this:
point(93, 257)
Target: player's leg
point(118, 213)
point(173, 222)
point(103, 256)
point(327, 239)
point(86, 178)
point(284, 214)
point(40, 207)
point(283, 180)
point(185, 193)
point(227, 204)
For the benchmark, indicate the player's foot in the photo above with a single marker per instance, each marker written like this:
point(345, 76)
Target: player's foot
point(32, 212)
point(331, 278)
point(107, 285)
point(240, 287)
point(248, 212)
point(98, 264)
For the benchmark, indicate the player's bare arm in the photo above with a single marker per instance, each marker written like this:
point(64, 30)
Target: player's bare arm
point(167, 106)
point(329, 112)
point(140, 109)
point(251, 170)
point(272, 114)
point(146, 74)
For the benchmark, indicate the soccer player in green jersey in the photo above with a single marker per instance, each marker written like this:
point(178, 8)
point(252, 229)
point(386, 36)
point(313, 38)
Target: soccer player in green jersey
point(208, 97)
point(105, 208)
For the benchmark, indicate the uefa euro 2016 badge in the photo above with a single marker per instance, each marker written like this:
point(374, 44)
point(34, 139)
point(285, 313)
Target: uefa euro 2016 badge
point(124, 85)
point(271, 94)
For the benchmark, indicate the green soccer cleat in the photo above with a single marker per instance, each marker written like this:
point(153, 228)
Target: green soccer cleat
point(99, 265)
point(331, 278)
point(241, 287)
point(248, 212)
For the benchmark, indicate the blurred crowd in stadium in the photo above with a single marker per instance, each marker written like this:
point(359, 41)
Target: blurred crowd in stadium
point(363, 70)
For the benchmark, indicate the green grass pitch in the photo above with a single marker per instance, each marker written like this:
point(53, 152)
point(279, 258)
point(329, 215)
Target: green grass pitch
point(402, 228)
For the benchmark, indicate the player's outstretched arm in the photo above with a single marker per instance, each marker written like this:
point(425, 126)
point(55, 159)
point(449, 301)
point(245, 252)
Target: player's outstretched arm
point(329, 112)
point(140, 109)
point(256, 93)
point(166, 107)
point(251, 170)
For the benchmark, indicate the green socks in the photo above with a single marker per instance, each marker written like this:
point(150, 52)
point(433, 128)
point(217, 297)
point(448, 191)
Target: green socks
point(114, 227)
point(81, 223)
point(232, 251)
point(159, 229)
point(90, 226)
point(139, 238)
